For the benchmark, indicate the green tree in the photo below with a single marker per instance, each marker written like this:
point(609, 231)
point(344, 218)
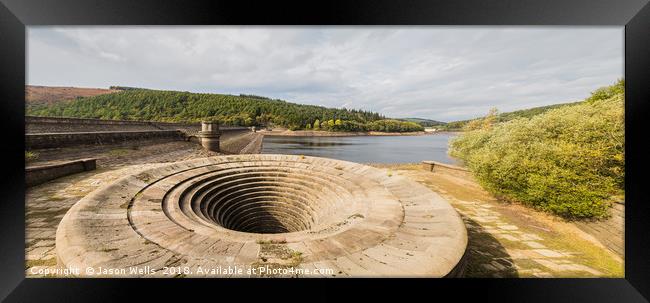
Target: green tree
point(568, 161)
point(241, 110)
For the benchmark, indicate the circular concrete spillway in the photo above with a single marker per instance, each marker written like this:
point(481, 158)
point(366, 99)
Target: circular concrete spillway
point(265, 199)
point(321, 215)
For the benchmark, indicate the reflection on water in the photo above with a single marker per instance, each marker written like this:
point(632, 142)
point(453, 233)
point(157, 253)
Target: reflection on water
point(365, 149)
point(300, 142)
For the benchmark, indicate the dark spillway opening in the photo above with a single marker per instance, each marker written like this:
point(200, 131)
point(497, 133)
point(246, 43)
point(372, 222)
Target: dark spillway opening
point(263, 213)
point(264, 203)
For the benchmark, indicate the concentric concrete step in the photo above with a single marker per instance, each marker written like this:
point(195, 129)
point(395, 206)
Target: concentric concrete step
point(249, 210)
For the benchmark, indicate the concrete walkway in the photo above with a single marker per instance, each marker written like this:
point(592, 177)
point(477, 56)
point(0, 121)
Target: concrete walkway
point(48, 203)
point(507, 240)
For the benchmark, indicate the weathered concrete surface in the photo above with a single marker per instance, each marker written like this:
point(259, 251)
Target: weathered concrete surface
point(34, 125)
point(609, 231)
point(359, 221)
point(56, 140)
point(37, 125)
point(124, 154)
point(137, 152)
point(53, 132)
point(47, 204)
point(244, 143)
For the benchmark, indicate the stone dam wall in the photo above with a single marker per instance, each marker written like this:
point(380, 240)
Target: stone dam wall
point(53, 132)
point(57, 140)
point(69, 125)
point(35, 125)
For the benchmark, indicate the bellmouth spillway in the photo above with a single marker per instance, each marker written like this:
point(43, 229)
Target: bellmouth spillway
point(265, 210)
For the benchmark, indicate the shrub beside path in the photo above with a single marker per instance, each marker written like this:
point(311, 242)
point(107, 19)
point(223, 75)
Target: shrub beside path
point(509, 240)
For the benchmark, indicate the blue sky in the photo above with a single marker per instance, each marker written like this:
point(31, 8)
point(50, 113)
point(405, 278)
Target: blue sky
point(441, 73)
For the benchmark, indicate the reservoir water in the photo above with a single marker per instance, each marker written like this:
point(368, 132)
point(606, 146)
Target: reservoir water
point(365, 149)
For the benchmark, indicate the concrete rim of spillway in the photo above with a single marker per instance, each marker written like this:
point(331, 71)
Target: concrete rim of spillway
point(245, 210)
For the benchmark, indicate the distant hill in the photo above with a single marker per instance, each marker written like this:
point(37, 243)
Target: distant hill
point(243, 110)
point(125, 88)
point(527, 113)
point(503, 117)
point(35, 95)
point(423, 122)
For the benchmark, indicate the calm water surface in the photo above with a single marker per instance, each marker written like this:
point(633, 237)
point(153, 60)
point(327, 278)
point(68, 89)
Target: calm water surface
point(365, 149)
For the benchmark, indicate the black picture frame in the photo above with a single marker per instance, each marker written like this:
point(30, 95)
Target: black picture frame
point(15, 15)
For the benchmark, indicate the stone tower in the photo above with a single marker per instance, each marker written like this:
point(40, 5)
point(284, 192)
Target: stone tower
point(209, 135)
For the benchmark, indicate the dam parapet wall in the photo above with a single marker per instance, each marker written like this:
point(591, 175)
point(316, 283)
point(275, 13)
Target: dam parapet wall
point(58, 140)
point(35, 124)
point(55, 132)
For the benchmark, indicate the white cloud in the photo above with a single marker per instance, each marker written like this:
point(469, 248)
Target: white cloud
point(443, 73)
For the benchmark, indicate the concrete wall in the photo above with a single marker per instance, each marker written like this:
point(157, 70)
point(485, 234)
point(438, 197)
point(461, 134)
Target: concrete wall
point(65, 125)
point(56, 140)
point(255, 144)
point(52, 132)
point(241, 142)
point(609, 232)
point(35, 125)
point(35, 175)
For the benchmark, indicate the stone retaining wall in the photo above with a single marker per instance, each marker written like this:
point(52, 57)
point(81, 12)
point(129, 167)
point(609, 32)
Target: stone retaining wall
point(54, 132)
point(241, 143)
point(64, 125)
point(35, 175)
point(609, 232)
point(35, 125)
point(57, 140)
point(254, 146)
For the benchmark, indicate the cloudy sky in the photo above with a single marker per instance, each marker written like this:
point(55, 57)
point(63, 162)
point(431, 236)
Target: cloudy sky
point(441, 73)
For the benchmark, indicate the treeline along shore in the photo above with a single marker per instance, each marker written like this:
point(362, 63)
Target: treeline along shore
point(230, 110)
point(307, 133)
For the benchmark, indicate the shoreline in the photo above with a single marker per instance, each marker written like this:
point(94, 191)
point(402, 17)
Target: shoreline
point(307, 133)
